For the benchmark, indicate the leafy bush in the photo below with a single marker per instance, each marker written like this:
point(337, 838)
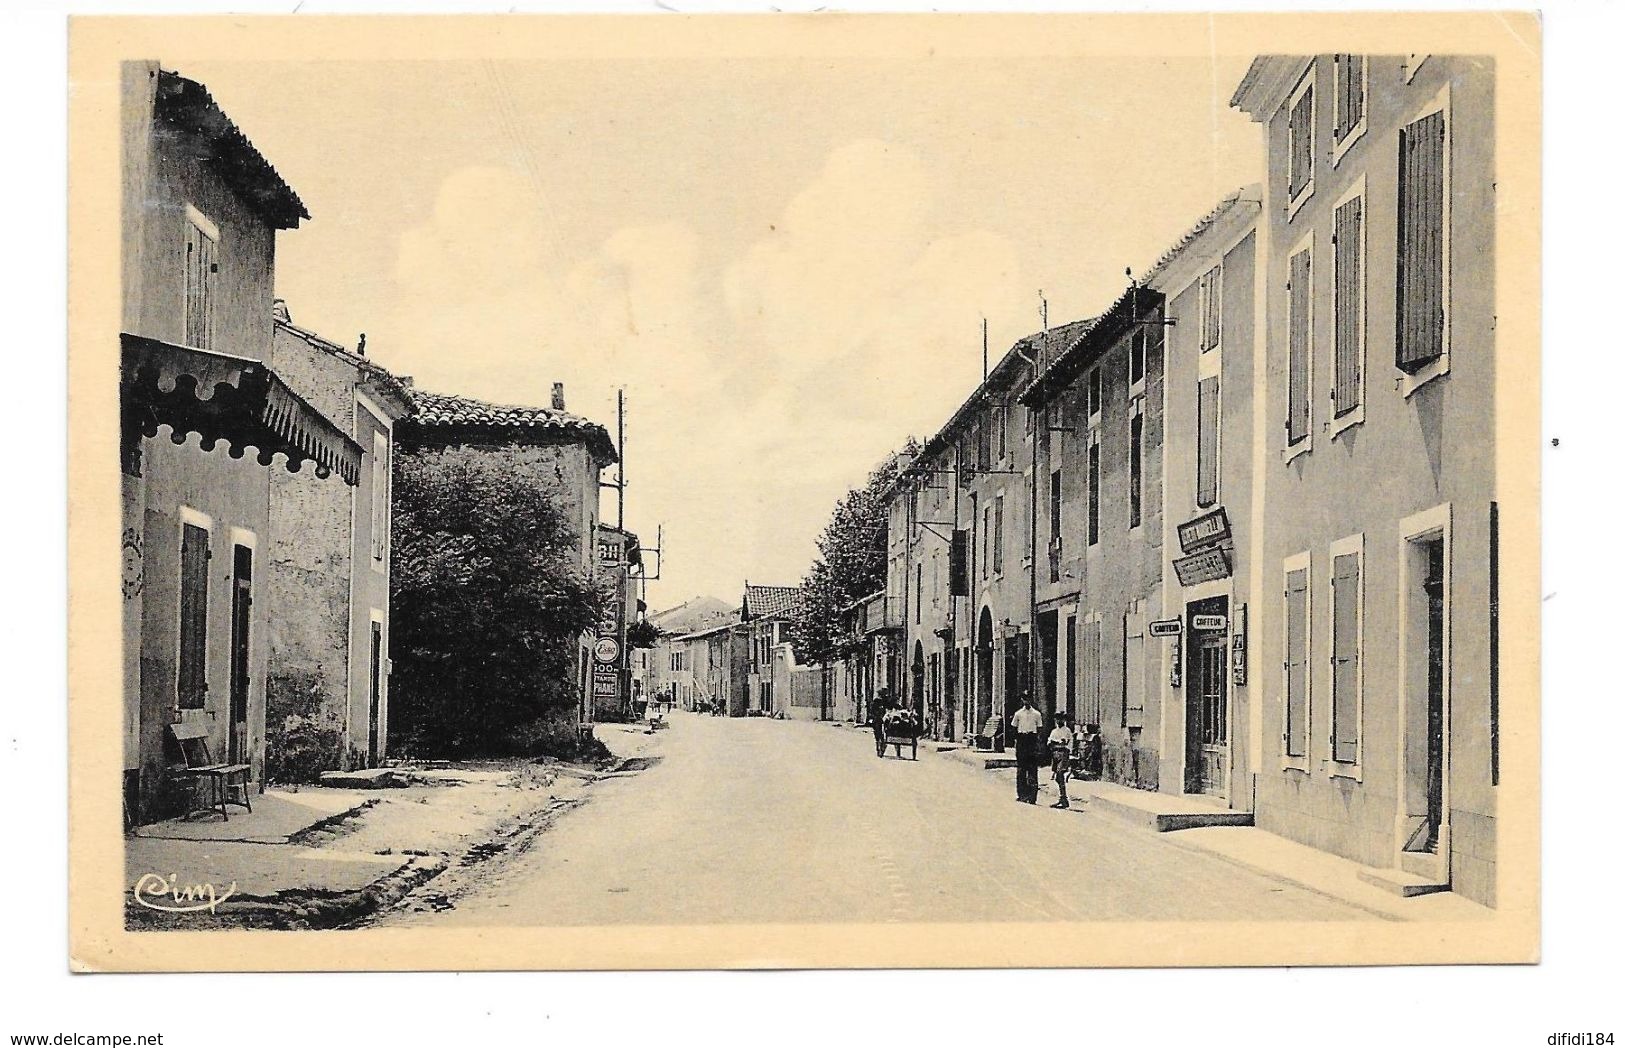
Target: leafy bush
point(642, 634)
point(489, 596)
point(851, 564)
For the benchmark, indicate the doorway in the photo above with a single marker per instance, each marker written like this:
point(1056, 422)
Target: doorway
point(375, 693)
point(1048, 642)
point(1207, 702)
point(1424, 830)
point(917, 683)
point(242, 600)
point(984, 672)
point(1427, 639)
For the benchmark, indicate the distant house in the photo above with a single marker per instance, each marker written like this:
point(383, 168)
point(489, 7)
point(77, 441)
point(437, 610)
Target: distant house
point(670, 674)
point(566, 453)
point(205, 423)
point(327, 584)
point(765, 613)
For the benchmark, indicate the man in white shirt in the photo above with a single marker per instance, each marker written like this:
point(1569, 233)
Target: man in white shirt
point(1027, 723)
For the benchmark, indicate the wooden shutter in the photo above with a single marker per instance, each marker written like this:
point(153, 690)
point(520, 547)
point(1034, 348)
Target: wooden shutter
point(1349, 282)
point(1346, 657)
point(1091, 672)
point(1208, 303)
point(1297, 663)
point(1094, 491)
point(199, 266)
point(1207, 441)
point(1300, 134)
point(1136, 467)
point(998, 533)
point(194, 626)
point(1133, 671)
point(1298, 335)
point(1419, 291)
point(1354, 89)
point(1350, 94)
point(1072, 668)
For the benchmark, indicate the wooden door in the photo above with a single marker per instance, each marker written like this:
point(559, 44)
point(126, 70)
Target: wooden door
point(242, 600)
point(375, 689)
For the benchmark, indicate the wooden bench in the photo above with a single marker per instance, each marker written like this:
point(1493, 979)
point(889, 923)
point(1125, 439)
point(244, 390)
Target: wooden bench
point(222, 779)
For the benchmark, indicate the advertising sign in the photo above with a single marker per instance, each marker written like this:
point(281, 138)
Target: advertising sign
point(1209, 529)
point(1205, 566)
point(1163, 627)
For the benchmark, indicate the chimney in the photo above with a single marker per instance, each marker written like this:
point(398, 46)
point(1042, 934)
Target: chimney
point(279, 311)
point(558, 396)
point(361, 346)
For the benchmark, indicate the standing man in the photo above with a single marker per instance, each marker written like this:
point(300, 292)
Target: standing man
point(877, 713)
point(1060, 757)
point(1027, 723)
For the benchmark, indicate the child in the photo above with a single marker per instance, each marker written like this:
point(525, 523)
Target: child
point(1060, 754)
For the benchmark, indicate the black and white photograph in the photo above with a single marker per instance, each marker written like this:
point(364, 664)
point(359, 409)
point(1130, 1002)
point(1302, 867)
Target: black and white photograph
point(583, 492)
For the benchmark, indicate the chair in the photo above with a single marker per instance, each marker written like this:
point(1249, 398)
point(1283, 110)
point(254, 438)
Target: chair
point(193, 740)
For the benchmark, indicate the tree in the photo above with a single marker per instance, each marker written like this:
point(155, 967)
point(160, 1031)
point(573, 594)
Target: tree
point(851, 562)
point(489, 597)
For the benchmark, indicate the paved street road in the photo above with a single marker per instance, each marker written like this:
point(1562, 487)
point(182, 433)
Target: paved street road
point(773, 821)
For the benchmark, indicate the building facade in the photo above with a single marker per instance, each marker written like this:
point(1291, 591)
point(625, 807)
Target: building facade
point(205, 422)
point(327, 577)
point(765, 613)
point(564, 453)
point(1210, 282)
point(1378, 547)
point(959, 543)
point(1099, 414)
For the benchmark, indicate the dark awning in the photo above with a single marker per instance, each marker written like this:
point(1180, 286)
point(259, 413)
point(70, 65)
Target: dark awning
point(223, 397)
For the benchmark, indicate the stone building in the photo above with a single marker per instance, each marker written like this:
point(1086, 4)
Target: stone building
point(965, 650)
point(565, 453)
point(670, 660)
point(327, 570)
point(205, 423)
point(765, 613)
point(1377, 550)
point(1210, 281)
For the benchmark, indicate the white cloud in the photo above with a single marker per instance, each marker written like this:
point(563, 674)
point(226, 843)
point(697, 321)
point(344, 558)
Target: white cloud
point(759, 388)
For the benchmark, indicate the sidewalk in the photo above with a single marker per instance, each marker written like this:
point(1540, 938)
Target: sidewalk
point(1201, 825)
point(317, 857)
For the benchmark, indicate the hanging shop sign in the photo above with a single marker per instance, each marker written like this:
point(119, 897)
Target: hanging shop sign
point(1210, 529)
point(1209, 623)
point(1238, 648)
point(1206, 566)
point(611, 549)
point(1175, 670)
point(1163, 627)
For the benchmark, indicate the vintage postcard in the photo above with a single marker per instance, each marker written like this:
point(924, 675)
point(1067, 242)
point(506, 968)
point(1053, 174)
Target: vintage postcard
point(808, 491)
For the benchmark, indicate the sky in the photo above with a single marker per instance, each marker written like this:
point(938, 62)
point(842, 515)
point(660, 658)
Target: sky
point(785, 263)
